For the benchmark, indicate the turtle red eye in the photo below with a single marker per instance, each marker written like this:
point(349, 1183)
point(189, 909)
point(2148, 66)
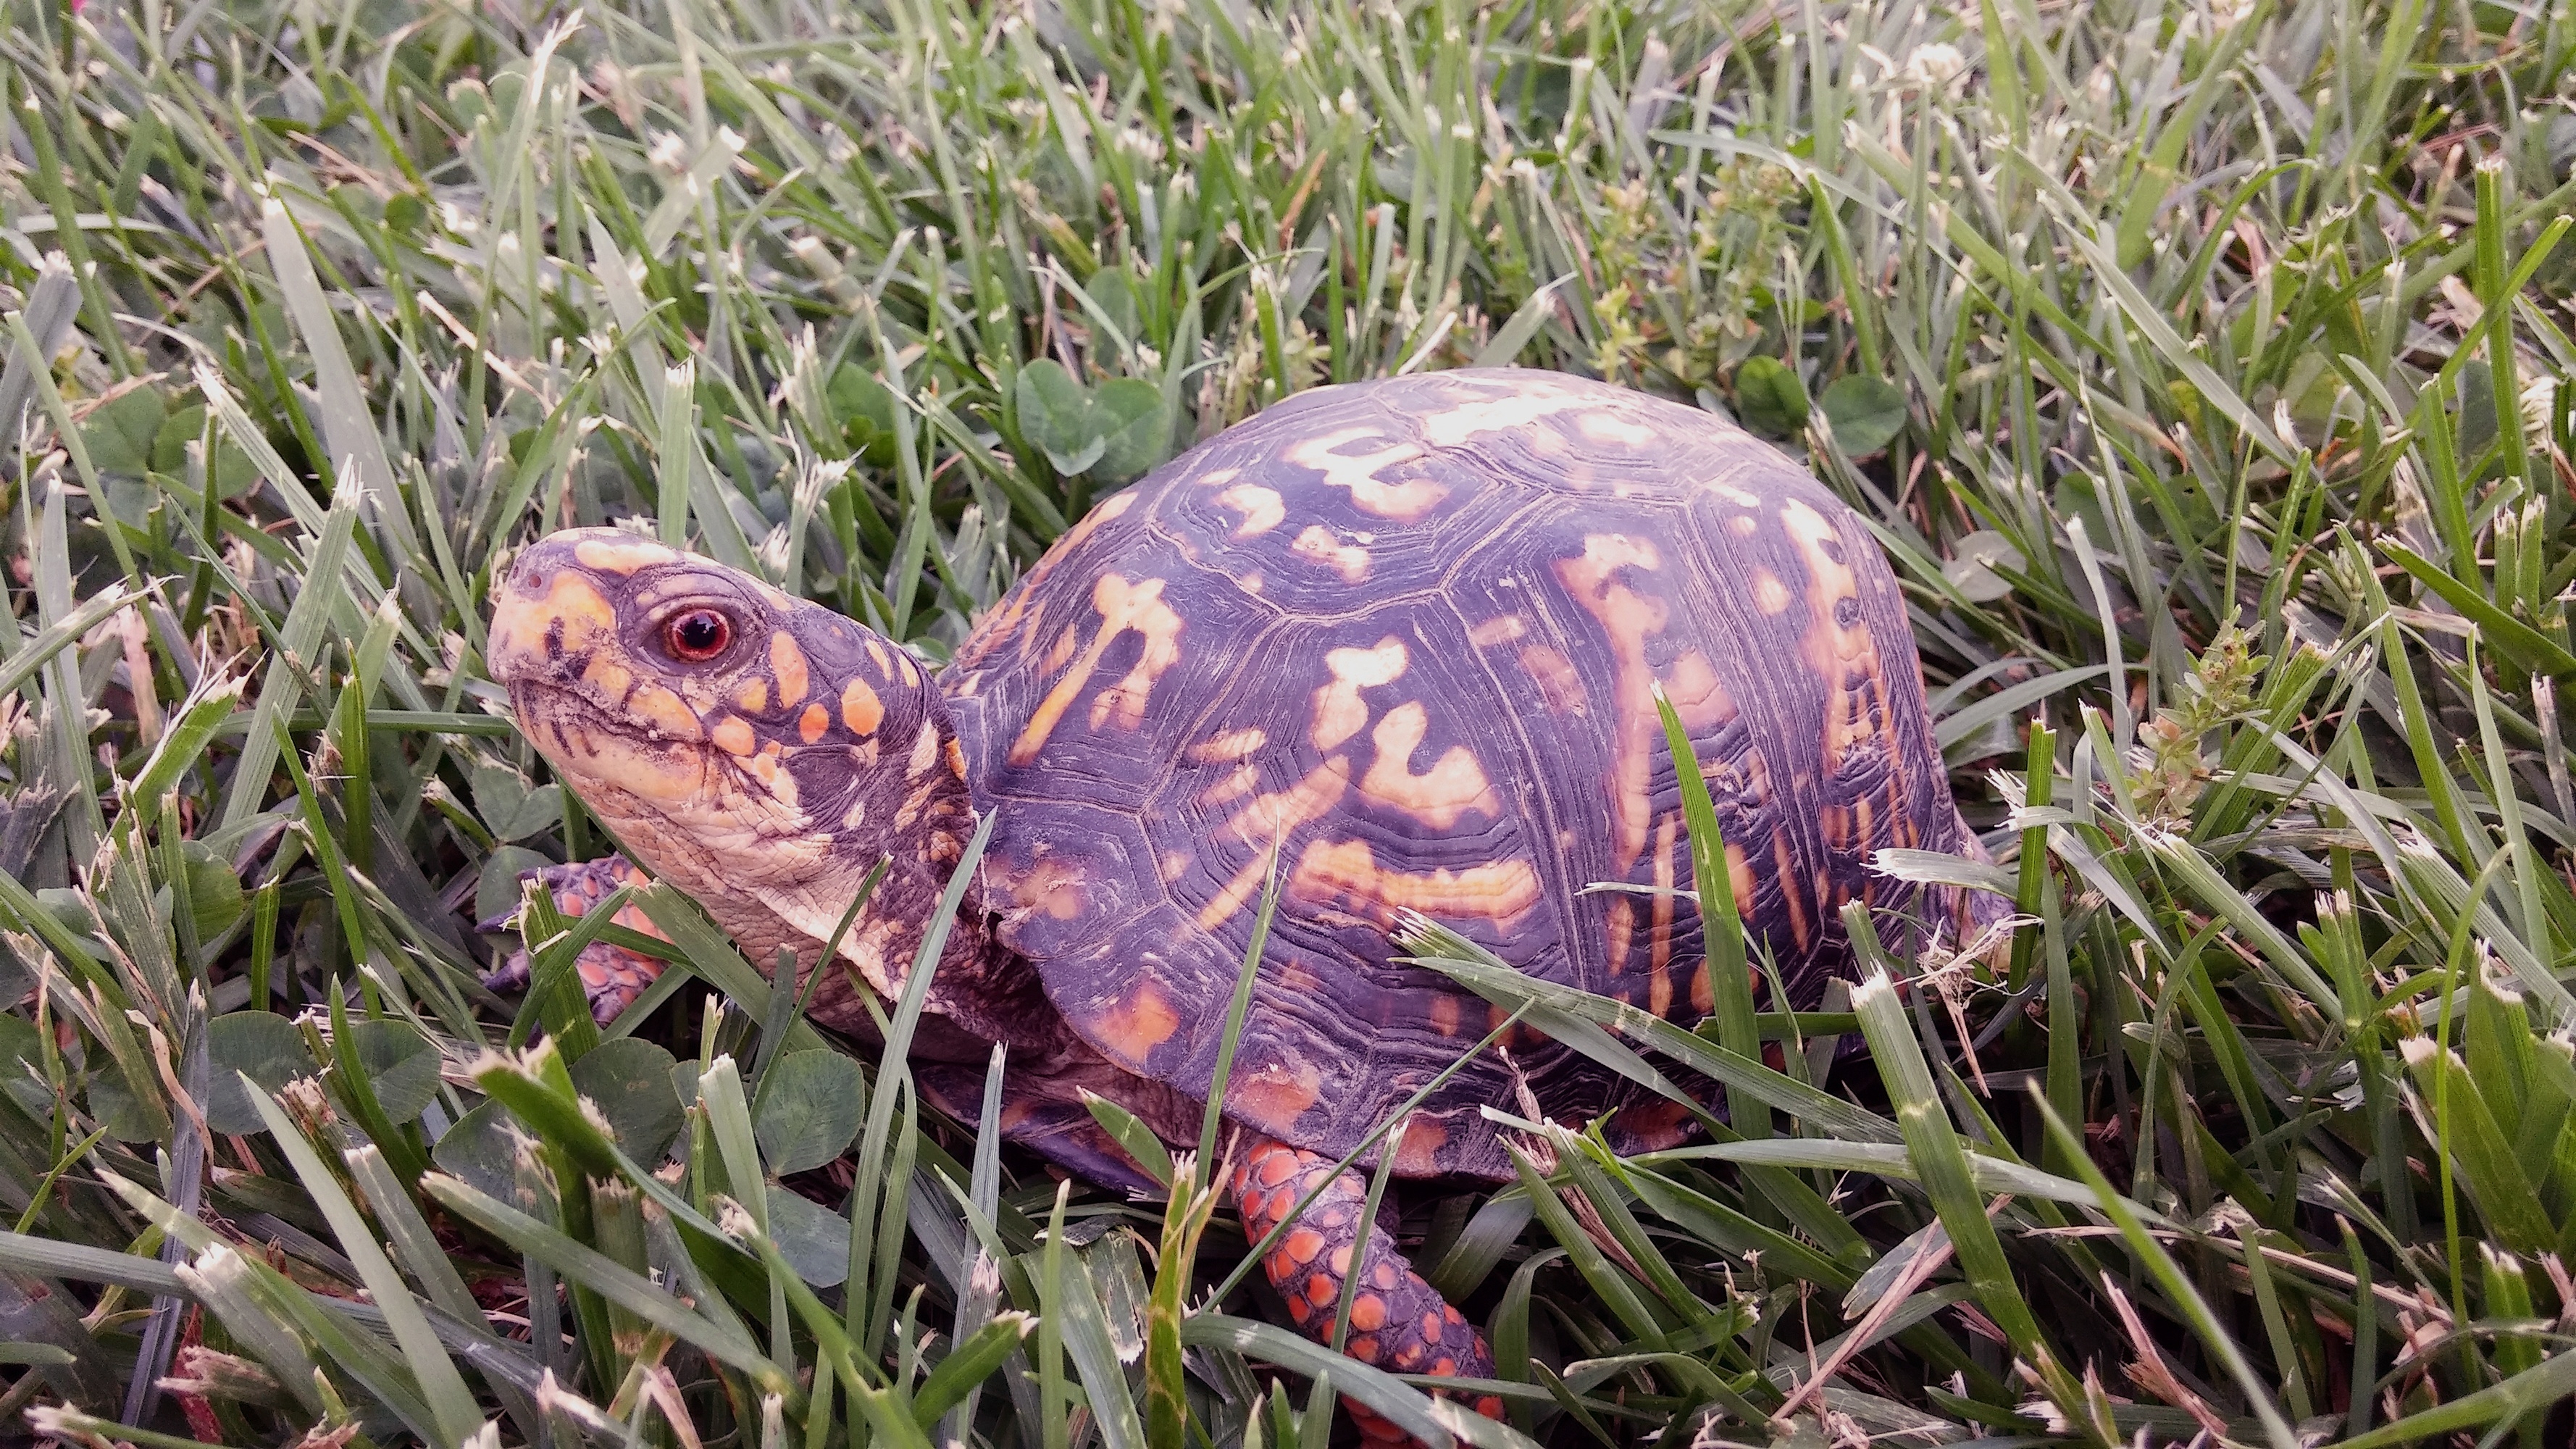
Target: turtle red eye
point(697, 636)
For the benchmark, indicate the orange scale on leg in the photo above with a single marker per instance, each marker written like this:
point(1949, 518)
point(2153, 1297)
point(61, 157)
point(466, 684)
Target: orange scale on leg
point(1446, 1368)
point(1430, 1328)
point(1342, 1260)
point(1303, 1244)
point(1363, 1348)
point(1368, 1313)
point(1277, 1168)
point(1322, 1291)
point(1384, 1275)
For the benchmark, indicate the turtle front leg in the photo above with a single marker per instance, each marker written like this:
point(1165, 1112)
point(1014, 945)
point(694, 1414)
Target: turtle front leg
point(1399, 1322)
point(611, 976)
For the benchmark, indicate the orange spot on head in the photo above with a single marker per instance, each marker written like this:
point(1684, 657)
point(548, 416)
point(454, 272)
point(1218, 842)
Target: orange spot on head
point(956, 758)
point(812, 723)
point(787, 665)
point(664, 713)
point(607, 678)
point(1769, 594)
point(861, 711)
point(734, 736)
point(753, 697)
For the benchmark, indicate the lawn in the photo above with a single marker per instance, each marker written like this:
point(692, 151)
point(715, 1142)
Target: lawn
point(2203, 369)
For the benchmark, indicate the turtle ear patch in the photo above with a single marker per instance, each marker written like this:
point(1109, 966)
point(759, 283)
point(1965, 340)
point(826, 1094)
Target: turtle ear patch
point(787, 668)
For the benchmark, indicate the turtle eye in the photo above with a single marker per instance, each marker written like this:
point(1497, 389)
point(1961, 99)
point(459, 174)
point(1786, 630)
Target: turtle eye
point(697, 636)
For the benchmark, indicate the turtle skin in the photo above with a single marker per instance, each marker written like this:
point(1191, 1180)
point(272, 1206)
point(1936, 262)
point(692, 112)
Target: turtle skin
point(1407, 634)
point(1401, 641)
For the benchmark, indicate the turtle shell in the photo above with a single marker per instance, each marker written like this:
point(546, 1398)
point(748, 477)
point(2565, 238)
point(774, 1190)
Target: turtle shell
point(1406, 634)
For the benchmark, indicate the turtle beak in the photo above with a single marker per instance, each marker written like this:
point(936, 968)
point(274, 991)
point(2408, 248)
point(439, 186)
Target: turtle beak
point(549, 607)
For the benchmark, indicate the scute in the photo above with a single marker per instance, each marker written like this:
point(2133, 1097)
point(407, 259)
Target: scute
point(1407, 638)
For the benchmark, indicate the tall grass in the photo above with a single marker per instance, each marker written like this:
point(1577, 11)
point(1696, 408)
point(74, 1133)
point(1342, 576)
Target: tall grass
point(2203, 368)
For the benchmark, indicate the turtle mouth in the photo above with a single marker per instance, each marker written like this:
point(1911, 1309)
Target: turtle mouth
point(693, 812)
point(603, 751)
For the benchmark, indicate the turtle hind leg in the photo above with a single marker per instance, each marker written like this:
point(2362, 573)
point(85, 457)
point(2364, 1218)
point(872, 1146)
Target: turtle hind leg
point(1399, 1322)
point(611, 976)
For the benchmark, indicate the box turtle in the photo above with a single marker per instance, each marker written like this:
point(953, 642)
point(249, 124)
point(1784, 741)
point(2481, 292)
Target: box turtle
point(1406, 634)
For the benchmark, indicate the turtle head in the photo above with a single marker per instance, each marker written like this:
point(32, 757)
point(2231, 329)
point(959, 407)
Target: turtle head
point(755, 749)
